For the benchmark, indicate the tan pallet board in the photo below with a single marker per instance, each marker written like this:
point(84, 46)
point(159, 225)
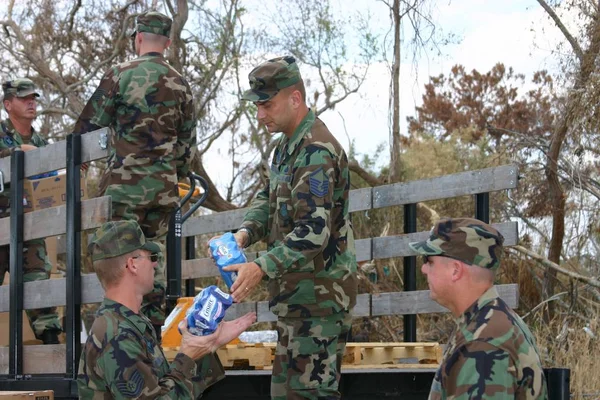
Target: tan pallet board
point(357, 356)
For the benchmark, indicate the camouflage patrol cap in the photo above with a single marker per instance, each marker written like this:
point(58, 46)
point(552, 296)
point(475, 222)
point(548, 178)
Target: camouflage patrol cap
point(20, 87)
point(270, 77)
point(153, 22)
point(116, 238)
point(465, 239)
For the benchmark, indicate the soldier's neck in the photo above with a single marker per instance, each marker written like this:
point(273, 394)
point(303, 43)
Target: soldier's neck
point(22, 126)
point(126, 296)
point(297, 120)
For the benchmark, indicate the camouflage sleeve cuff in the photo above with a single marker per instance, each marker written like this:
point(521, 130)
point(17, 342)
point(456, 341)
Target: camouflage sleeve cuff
point(253, 230)
point(6, 152)
point(267, 265)
point(184, 365)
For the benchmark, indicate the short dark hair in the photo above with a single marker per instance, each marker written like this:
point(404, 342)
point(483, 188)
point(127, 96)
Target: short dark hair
point(299, 86)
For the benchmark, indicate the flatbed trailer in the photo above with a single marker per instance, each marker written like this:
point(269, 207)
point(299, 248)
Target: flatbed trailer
point(41, 367)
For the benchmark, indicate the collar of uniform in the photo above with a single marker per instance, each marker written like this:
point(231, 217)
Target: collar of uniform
point(9, 128)
point(138, 320)
point(305, 125)
point(490, 295)
point(152, 54)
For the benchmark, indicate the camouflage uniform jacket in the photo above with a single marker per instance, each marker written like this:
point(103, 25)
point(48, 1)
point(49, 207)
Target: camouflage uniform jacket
point(303, 213)
point(9, 140)
point(150, 107)
point(122, 359)
point(491, 354)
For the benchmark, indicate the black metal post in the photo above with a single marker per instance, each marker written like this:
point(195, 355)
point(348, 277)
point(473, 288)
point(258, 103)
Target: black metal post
point(482, 207)
point(410, 272)
point(190, 254)
point(73, 310)
point(559, 383)
point(174, 260)
point(174, 241)
point(15, 353)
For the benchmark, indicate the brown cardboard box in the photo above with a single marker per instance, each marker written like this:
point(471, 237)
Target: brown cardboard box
point(47, 192)
point(32, 395)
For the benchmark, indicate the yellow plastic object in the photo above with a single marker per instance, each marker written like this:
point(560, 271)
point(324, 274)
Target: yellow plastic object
point(170, 333)
point(184, 188)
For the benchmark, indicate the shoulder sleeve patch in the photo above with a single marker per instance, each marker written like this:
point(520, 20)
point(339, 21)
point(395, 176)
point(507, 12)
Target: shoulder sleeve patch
point(318, 182)
point(132, 387)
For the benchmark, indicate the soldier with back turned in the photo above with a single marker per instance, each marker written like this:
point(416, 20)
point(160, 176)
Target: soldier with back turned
point(149, 106)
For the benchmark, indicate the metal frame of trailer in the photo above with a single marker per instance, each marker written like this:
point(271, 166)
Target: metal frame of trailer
point(355, 384)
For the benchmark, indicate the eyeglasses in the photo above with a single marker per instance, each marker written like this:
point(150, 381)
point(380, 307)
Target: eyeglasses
point(425, 259)
point(153, 257)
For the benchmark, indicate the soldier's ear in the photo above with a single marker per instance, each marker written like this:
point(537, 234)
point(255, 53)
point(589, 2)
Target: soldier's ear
point(458, 270)
point(296, 98)
point(130, 265)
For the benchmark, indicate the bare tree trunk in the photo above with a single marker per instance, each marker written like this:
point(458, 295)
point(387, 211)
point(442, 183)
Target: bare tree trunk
point(176, 55)
point(394, 173)
point(214, 201)
point(557, 195)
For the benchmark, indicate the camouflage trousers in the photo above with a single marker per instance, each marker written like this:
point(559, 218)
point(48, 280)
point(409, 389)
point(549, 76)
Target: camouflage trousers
point(154, 222)
point(36, 267)
point(308, 357)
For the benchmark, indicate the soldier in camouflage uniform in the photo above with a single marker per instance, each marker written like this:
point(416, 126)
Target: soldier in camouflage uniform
point(492, 353)
point(122, 357)
point(17, 132)
point(303, 214)
point(150, 107)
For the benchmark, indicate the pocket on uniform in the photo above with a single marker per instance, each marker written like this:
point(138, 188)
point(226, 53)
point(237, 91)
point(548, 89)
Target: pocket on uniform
point(285, 222)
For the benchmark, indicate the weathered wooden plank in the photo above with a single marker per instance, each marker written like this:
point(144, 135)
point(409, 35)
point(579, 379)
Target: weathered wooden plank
point(53, 221)
point(364, 249)
point(239, 309)
point(52, 293)
point(418, 302)
point(212, 223)
point(61, 243)
point(38, 359)
point(464, 183)
point(461, 184)
point(363, 306)
point(383, 247)
point(54, 156)
point(397, 246)
point(362, 309)
point(360, 199)
point(262, 312)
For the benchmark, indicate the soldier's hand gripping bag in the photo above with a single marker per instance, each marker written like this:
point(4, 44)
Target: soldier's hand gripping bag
point(225, 251)
point(208, 310)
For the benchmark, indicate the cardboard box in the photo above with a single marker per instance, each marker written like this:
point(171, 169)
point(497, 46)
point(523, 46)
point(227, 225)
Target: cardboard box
point(30, 395)
point(47, 192)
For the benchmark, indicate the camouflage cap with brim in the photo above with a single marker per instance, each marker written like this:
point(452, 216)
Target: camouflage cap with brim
point(465, 239)
point(153, 22)
point(20, 87)
point(116, 238)
point(270, 77)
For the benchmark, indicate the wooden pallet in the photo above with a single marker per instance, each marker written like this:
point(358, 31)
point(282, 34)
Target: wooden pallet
point(357, 356)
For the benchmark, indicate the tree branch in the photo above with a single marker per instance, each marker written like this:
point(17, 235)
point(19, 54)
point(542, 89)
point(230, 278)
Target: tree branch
point(547, 263)
point(563, 29)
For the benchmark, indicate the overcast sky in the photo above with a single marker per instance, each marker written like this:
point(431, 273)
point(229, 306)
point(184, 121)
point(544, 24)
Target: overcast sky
point(514, 32)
